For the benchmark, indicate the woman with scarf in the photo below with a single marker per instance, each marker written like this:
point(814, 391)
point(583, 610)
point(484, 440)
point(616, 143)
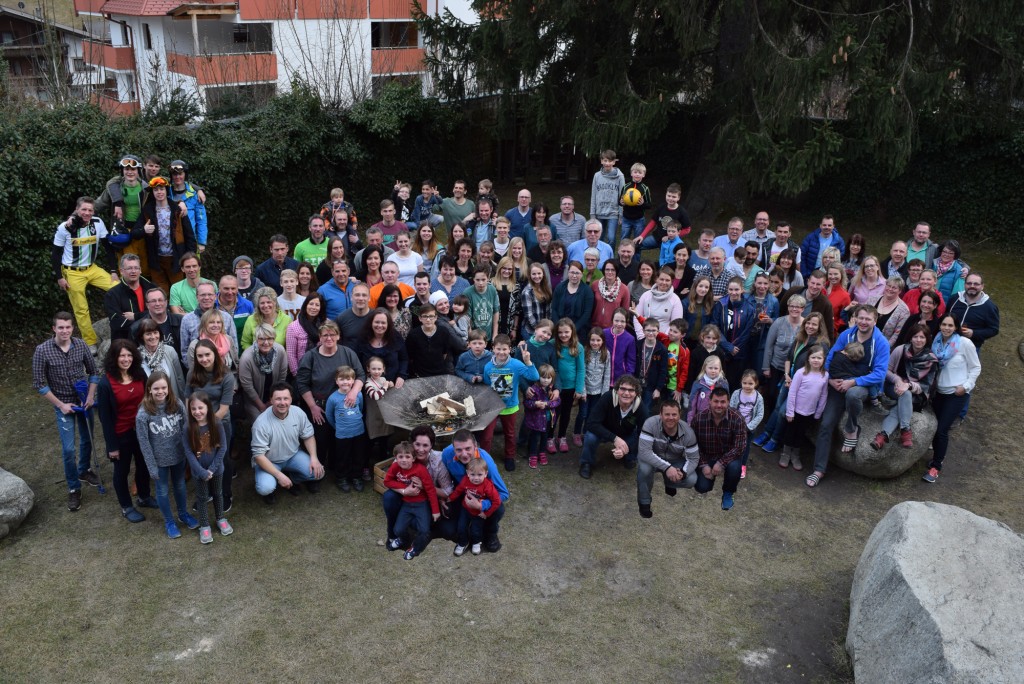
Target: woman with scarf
point(734, 315)
point(262, 366)
point(949, 270)
point(304, 333)
point(211, 327)
point(908, 382)
point(609, 294)
point(959, 369)
point(157, 355)
point(659, 303)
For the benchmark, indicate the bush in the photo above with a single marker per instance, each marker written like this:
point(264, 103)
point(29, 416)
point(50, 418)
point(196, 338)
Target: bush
point(264, 173)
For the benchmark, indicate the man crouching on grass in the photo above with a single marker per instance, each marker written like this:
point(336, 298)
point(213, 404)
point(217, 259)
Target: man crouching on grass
point(667, 445)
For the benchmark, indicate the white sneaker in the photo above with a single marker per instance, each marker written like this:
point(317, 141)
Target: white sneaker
point(459, 550)
point(477, 548)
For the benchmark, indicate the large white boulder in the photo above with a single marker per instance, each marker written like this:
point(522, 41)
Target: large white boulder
point(938, 596)
point(16, 500)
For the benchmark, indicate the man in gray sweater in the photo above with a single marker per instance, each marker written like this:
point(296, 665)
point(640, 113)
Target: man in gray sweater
point(668, 446)
point(276, 450)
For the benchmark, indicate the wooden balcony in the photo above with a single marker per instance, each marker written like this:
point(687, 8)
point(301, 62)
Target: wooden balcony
point(396, 60)
point(391, 9)
point(108, 56)
point(215, 70)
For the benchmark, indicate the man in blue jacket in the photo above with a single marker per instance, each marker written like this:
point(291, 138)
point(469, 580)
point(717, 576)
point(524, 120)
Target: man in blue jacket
point(849, 395)
point(193, 199)
point(817, 242)
point(455, 457)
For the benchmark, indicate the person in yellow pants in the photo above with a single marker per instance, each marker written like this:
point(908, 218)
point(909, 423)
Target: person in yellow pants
point(73, 257)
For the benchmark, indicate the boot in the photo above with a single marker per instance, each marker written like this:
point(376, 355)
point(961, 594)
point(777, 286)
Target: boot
point(784, 458)
point(794, 459)
point(881, 439)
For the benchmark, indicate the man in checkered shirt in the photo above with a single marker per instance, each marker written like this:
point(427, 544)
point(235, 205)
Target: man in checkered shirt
point(721, 438)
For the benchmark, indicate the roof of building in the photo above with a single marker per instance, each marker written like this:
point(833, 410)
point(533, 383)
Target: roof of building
point(140, 8)
point(29, 16)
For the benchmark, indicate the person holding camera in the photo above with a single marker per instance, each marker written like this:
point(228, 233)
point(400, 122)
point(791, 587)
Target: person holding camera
point(73, 257)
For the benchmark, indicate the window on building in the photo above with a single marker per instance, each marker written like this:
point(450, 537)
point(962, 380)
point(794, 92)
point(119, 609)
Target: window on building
point(6, 37)
point(147, 38)
point(79, 64)
point(393, 34)
point(255, 37)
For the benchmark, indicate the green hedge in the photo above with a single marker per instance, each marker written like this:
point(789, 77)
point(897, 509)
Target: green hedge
point(264, 173)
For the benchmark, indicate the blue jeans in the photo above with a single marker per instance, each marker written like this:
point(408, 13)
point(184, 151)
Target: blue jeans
point(611, 227)
point(584, 411)
point(632, 228)
point(66, 430)
point(591, 442)
point(947, 408)
point(171, 476)
point(731, 482)
point(853, 403)
point(471, 528)
point(417, 516)
point(649, 242)
point(296, 468)
point(443, 527)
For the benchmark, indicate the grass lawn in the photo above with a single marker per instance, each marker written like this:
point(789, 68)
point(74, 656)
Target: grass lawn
point(583, 589)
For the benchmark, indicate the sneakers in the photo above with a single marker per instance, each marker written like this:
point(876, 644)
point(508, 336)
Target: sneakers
point(90, 478)
point(769, 446)
point(906, 438)
point(343, 484)
point(877, 407)
point(225, 527)
point(146, 502)
point(74, 500)
point(577, 440)
point(880, 440)
point(510, 464)
point(459, 550)
point(477, 549)
point(188, 521)
point(931, 476)
point(409, 555)
point(551, 446)
point(533, 462)
point(132, 514)
point(172, 530)
point(543, 459)
point(394, 544)
point(563, 444)
point(761, 439)
point(227, 505)
point(492, 545)
point(726, 501)
point(743, 472)
point(585, 471)
point(357, 485)
point(206, 535)
point(645, 511)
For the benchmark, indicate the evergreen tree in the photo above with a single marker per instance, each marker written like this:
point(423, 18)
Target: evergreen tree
point(784, 90)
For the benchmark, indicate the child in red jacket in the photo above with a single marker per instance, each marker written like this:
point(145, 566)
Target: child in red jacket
point(413, 481)
point(481, 500)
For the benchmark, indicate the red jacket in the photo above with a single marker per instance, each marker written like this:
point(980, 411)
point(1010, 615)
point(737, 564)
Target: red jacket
point(397, 478)
point(484, 490)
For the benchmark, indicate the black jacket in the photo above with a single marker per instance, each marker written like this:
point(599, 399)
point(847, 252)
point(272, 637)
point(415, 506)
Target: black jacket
point(182, 242)
point(119, 299)
point(175, 322)
point(606, 420)
point(434, 355)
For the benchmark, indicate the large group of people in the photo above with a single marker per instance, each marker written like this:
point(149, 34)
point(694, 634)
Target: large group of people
point(672, 363)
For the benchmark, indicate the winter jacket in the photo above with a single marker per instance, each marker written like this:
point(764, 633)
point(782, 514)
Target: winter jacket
point(607, 422)
point(183, 238)
point(735, 320)
point(622, 353)
point(809, 250)
point(537, 418)
point(196, 209)
point(656, 377)
point(119, 299)
point(982, 317)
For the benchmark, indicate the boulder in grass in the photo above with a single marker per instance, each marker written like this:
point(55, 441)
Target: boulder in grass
point(938, 596)
point(16, 500)
point(890, 461)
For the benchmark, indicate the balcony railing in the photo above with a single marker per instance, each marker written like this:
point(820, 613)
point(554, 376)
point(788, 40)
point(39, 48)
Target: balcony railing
point(102, 54)
point(224, 69)
point(396, 60)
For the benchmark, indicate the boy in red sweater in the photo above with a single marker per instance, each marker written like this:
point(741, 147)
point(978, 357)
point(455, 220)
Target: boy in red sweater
point(412, 481)
point(476, 486)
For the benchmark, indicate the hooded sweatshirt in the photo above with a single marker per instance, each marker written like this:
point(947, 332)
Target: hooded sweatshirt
point(605, 191)
point(665, 307)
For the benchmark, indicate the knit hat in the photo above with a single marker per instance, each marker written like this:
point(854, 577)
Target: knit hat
point(438, 296)
point(239, 259)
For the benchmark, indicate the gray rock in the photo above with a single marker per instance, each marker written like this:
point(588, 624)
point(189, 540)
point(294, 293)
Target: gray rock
point(938, 596)
point(890, 461)
point(16, 499)
point(102, 329)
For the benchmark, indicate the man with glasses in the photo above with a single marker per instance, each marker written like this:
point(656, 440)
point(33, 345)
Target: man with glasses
point(206, 295)
point(759, 233)
point(192, 200)
point(976, 315)
point(615, 419)
point(168, 322)
point(124, 196)
point(591, 239)
point(432, 350)
point(126, 301)
point(248, 284)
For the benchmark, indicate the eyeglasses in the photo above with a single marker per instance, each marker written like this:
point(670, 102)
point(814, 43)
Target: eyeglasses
point(130, 164)
point(243, 268)
point(427, 318)
point(593, 232)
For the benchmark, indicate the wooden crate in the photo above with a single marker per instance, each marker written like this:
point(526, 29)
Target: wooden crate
point(379, 471)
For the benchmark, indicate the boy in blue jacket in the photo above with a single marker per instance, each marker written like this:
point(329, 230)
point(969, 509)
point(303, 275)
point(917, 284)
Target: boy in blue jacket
point(349, 432)
point(471, 363)
point(503, 374)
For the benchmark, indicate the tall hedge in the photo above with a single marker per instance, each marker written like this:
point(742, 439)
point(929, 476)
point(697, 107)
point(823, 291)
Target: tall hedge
point(264, 173)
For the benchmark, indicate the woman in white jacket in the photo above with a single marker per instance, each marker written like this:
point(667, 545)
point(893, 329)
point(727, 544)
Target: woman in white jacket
point(959, 369)
point(659, 303)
